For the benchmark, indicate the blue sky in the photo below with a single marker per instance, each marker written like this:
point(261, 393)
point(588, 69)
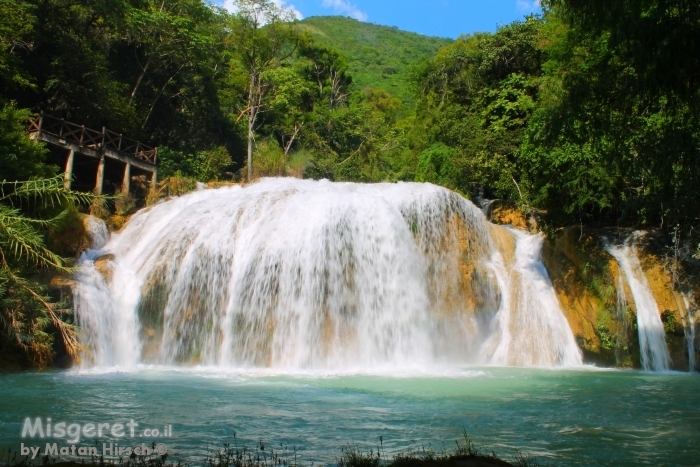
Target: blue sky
point(444, 18)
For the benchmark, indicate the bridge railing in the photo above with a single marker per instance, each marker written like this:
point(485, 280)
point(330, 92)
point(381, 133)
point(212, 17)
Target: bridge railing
point(87, 137)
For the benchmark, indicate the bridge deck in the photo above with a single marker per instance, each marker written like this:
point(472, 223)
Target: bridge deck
point(78, 139)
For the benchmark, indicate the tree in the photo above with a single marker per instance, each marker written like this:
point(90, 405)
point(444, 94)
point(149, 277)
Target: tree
point(621, 100)
point(20, 158)
point(171, 40)
point(16, 26)
point(289, 106)
point(328, 68)
point(478, 95)
point(262, 38)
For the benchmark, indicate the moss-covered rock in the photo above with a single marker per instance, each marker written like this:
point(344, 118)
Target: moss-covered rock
point(586, 278)
point(597, 302)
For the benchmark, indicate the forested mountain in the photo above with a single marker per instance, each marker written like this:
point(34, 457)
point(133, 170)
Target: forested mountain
point(379, 57)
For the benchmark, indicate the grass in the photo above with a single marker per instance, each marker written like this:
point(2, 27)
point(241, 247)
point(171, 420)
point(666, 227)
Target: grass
point(464, 454)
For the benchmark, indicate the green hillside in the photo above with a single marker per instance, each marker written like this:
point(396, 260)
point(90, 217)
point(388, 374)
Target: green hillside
point(379, 56)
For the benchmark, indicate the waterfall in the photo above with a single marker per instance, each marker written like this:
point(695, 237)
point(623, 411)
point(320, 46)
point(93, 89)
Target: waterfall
point(97, 232)
point(652, 338)
point(690, 331)
point(621, 307)
point(296, 274)
point(109, 333)
point(530, 308)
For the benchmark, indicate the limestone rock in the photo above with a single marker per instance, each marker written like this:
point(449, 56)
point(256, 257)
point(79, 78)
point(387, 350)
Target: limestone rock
point(104, 266)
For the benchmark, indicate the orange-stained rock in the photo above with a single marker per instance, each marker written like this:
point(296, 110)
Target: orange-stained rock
point(62, 282)
point(507, 214)
point(584, 277)
point(104, 266)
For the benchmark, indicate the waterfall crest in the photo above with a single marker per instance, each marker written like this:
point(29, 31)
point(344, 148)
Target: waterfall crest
point(297, 274)
point(652, 337)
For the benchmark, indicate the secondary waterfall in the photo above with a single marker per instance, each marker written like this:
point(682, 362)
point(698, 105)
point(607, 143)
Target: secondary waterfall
point(690, 330)
point(530, 309)
point(297, 274)
point(96, 231)
point(652, 337)
point(621, 307)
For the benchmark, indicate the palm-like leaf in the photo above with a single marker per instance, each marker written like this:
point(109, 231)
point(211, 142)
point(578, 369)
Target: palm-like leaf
point(25, 311)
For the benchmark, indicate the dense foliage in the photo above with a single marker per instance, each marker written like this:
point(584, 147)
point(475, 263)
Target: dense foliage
point(29, 318)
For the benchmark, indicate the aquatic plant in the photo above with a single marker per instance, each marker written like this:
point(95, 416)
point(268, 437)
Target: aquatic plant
point(464, 454)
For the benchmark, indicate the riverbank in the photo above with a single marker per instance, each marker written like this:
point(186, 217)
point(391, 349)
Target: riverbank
point(465, 454)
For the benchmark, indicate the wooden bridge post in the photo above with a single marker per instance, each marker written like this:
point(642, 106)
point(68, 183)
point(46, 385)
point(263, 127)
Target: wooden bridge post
point(127, 178)
point(96, 145)
point(68, 175)
point(100, 176)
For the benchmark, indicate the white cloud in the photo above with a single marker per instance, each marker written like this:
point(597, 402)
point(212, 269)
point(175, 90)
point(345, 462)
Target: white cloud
point(291, 8)
point(231, 6)
point(528, 5)
point(346, 8)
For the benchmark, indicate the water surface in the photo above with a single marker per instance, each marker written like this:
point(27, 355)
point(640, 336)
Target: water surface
point(564, 417)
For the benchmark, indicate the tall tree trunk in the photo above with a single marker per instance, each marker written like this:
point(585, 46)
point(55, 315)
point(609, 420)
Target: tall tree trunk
point(251, 123)
point(138, 81)
point(288, 146)
point(162, 90)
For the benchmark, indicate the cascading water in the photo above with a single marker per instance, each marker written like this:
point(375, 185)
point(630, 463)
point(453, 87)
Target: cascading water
point(652, 337)
point(690, 330)
point(97, 232)
point(293, 274)
point(621, 307)
point(532, 310)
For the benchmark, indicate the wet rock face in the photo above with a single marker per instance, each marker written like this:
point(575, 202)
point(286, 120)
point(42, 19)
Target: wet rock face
point(598, 303)
point(104, 266)
point(584, 277)
point(676, 288)
point(503, 213)
point(78, 234)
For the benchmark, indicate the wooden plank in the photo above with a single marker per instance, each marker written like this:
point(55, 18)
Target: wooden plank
point(34, 126)
point(112, 140)
point(92, 138)
point(95, 144)
point(96, 153)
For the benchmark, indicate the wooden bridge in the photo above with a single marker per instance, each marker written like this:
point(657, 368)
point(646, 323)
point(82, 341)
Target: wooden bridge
point(95, 144)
